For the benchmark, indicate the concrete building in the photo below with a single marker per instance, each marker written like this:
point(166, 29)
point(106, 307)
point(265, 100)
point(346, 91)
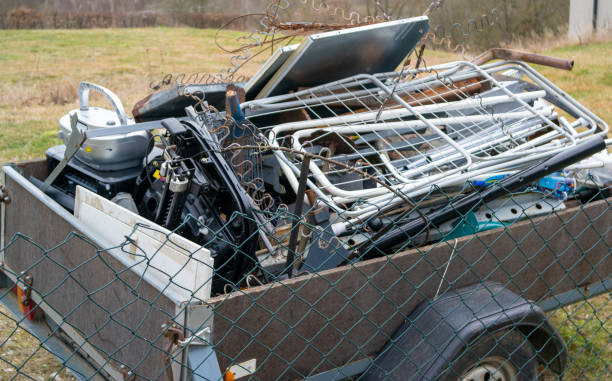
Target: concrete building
point(590, 17)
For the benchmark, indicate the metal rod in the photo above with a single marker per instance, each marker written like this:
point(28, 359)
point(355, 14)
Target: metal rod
point(517, 55)
point(299, 205)
point(595, 14)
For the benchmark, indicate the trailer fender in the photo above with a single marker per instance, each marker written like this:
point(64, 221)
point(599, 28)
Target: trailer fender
point(437, 331)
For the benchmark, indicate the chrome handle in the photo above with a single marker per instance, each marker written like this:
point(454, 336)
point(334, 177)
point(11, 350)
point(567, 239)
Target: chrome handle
point(85, 87)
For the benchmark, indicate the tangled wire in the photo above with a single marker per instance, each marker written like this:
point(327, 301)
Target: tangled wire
point(272, 33)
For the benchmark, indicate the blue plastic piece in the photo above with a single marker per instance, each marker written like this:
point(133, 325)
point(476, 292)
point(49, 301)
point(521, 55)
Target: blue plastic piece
point(235, 110)
point(558, 185)
point(203, 363)
point(469, 225)
point(481, 183)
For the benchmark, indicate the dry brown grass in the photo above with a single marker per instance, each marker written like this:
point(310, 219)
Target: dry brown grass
point(22, 358)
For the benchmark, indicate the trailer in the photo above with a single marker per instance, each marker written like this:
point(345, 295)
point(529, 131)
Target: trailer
point(105, 318)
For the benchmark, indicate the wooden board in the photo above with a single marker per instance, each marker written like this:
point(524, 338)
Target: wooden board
point(170, 258)
point(105, 302)
point(315, 323)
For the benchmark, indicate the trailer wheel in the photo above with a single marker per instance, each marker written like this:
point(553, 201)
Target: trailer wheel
point(500, 356)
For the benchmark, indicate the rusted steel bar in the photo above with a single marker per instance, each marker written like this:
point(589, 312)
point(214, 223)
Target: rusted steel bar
point(299, 204)
point(517, 55)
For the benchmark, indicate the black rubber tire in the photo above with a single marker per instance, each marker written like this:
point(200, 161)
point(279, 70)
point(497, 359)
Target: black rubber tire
point(511, 345)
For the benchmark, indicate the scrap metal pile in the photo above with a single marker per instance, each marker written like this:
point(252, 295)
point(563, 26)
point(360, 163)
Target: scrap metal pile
point(328, 156)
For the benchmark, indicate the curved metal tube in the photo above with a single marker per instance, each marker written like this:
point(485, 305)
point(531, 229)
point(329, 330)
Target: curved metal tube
point(85, 87)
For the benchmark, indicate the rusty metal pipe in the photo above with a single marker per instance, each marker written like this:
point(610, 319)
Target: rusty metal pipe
point(517, 55)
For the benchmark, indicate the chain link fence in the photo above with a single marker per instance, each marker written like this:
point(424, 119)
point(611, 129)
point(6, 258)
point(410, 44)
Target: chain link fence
point(519, 298)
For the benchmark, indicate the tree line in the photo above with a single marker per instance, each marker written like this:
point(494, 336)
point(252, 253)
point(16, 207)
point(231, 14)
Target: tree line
point(473, 23)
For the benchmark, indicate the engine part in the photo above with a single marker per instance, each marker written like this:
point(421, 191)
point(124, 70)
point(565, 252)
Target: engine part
point(111, 153)
point(201, 199)
point(125, 200)
point(108, 184)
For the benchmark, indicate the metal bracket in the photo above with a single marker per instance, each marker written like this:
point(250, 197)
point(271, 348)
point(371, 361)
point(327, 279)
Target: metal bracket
point(188, 335)
point(24, 298)
point(74, 144)
point(174, 334)
point(202, 337)
point(127, 374)
point(198, 345)
point(197, 320)
point(4, 195)
point(28, 281)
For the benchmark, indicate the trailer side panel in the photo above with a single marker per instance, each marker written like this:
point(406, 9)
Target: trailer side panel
point(319, 322)
point(109, 305)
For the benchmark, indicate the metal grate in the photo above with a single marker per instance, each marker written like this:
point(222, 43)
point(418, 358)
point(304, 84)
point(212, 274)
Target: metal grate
point(442, 125)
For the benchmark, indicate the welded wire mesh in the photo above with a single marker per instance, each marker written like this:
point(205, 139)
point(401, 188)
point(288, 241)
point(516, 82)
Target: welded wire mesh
point(442, 125)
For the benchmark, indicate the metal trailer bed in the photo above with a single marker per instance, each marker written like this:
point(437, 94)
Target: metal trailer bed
point(320, 326)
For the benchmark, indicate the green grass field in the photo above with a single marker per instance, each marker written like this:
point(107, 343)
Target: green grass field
point(39, 74)
point(42, 69)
